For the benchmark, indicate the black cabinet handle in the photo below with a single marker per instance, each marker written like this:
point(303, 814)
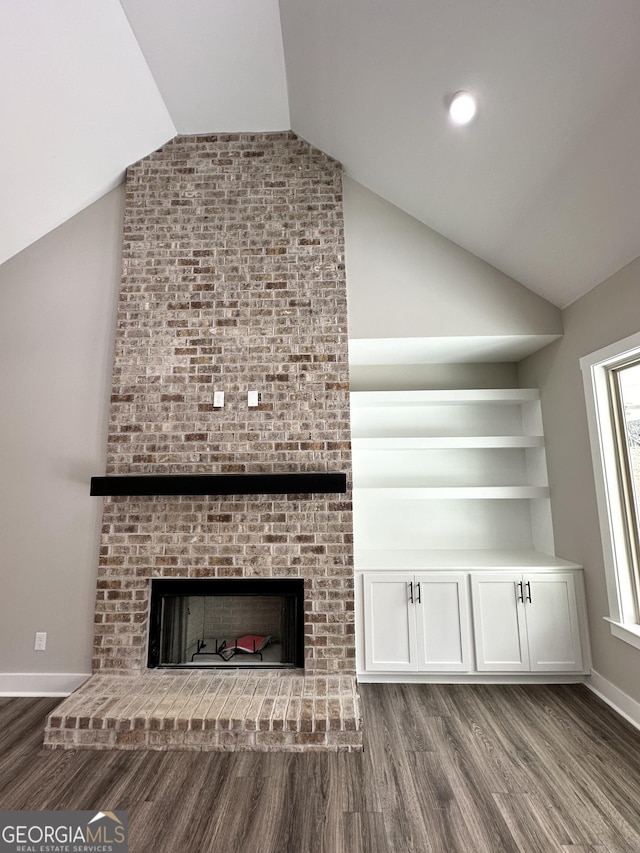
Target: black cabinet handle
point(419, 593)
point(520, 592)
point(528, 586)
point(411, 591)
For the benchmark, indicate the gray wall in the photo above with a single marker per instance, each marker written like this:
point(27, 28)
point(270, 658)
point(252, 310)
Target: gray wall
point(605, 315)
point(408, 377)
point(57, 314)
point(406, 280)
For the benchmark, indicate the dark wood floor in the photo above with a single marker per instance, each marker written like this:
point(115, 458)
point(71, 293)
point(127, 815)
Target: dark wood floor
point(452, 769)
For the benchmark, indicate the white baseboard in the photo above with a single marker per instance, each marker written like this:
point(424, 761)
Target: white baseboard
point(41, 683)
point(613, 696)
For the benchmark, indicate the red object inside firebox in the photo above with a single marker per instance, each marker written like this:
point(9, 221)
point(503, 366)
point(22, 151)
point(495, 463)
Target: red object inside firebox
point(247, 643)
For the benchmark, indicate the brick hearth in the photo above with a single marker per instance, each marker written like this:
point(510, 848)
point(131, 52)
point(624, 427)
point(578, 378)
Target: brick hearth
point(200, 710)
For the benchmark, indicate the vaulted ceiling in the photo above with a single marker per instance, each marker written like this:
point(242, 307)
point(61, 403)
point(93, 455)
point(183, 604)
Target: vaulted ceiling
point(544, 184)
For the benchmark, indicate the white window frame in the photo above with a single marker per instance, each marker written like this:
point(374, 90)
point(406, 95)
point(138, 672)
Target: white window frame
point(623, 618)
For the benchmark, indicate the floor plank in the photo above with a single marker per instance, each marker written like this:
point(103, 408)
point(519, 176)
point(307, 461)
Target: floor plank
point(445, 769)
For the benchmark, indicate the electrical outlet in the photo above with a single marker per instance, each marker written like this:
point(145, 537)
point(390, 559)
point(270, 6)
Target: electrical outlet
point(41, 641)
point(218, 399)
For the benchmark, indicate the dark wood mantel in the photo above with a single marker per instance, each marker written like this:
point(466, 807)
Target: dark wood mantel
point(219, 484)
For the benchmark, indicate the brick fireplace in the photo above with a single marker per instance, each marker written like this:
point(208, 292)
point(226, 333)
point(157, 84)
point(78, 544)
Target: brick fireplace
point(233, 281)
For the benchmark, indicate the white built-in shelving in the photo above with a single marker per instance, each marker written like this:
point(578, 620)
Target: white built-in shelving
point(455, 559)
point(456, 572)
point(444, 442)
point(460, 470)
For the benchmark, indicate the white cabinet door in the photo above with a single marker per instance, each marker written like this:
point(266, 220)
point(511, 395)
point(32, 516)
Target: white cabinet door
point(552, 622)
point(499, 623)
point(442, 611)
point(389, 623)
point(526, 622)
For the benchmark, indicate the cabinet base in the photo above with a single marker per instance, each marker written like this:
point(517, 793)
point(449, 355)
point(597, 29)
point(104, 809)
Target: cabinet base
point(472, 678)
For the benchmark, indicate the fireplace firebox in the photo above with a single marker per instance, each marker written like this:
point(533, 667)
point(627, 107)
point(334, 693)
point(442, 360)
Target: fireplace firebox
point(228, 622)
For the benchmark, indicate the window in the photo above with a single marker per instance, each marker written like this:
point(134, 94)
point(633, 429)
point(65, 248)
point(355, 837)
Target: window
point(612, 391)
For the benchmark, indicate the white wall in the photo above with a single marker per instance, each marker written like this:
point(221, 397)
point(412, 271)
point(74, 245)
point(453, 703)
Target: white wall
point(57, 314)
point(407, 281)
point(606, 314)
point(219, 66)
point(78, 105)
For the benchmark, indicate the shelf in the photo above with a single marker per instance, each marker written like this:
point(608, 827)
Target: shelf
point(448, 442)
point(450, 468)
point(493, 396)
point(219, 484)
point(444, 559)
point(408, 493)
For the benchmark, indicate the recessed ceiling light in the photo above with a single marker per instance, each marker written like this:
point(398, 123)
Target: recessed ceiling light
point(462, 108)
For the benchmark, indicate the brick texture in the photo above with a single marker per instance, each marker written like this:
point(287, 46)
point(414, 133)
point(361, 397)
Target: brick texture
point(199, 710)
point(233, 280)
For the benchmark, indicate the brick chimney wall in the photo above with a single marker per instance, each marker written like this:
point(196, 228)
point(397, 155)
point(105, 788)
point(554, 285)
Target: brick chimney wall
point(233, 280)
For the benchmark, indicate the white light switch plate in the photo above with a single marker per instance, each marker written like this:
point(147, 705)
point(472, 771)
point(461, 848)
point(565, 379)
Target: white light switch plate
point(253, 398)
point(218, 399)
